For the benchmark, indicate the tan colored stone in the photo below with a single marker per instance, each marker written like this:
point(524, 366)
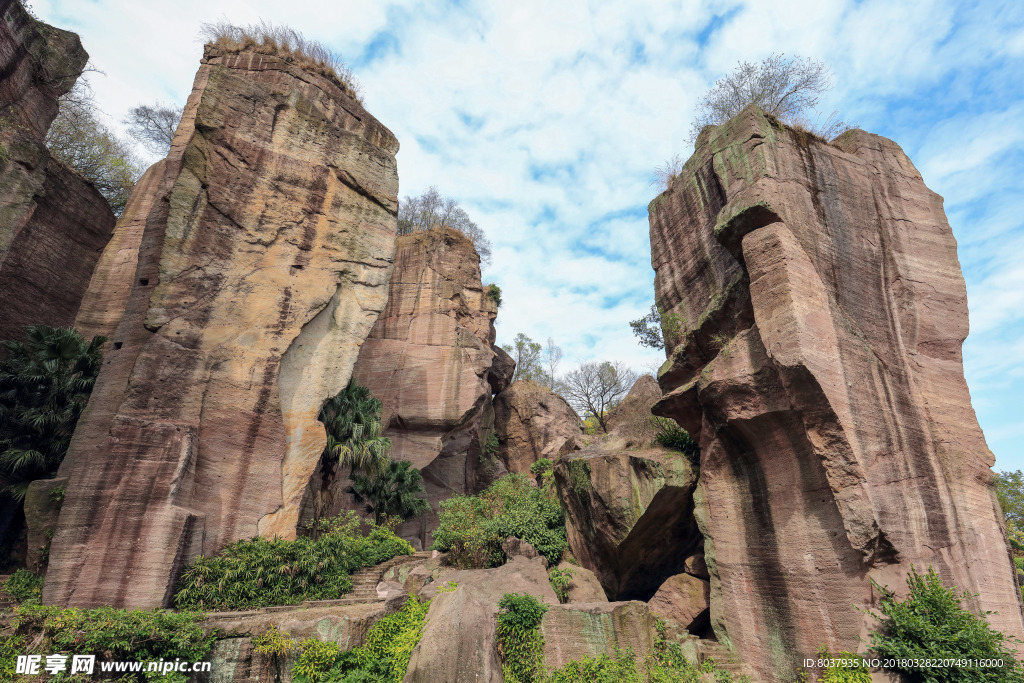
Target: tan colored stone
point(532, 422)
point(584, 586)
point(683, 600)
point(572, 632)
point(261, 268)
point(819, 365)
point(429, 360)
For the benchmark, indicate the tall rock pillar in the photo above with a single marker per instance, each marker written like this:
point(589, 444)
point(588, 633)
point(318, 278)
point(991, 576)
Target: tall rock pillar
point(815, 303)
point(249, 268)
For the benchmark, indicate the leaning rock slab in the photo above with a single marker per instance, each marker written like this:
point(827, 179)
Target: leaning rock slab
point(821, 315)
point(261, 267)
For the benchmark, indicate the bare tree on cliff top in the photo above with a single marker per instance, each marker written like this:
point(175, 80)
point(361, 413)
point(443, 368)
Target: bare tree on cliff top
point(596, 387)
point(153, 126)
point(788, 89)
point(431, 210)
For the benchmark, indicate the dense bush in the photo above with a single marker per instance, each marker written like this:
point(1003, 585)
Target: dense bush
point(620, 668)
point(393, 491)
point(494, 292)
point(110, 634)
point(520, 643)
point(472, 528)
point(262, 572)
point(351, 419)
point(848, 667)
point(561, 581)
point(24, 587)
point(932, 624)
point(383, 659)
point(45, 382)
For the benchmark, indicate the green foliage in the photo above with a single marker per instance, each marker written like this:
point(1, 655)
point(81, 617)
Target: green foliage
point(352, 421)
point(316, 658)
point(579, 478)
point(520, 644)
point(526, 353)
point(45, 382)
point(472, 528)
point(274, 644)
point(932, 624)
point(849, 667)
point(24, 587)
point(494, 292)
point(57, 494)
point(491, 445)
point(541, 466)
point(393, 491)
point(114, 634)
point(590, 425)
point(671, 435)
point(262, 572)
point(656, 329)
point(620, 668)
point(561, 580)
point(1010, 488)
point(385, 656)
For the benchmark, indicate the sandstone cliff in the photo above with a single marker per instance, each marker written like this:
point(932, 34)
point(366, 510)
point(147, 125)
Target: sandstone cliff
point(430, 359)
point(248, 270)
point(53, 224)
point(533, 422)
point(821, 312)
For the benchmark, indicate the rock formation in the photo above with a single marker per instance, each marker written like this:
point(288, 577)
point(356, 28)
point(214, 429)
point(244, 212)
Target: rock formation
point(246, 274)
point(532, 422)
point(430, 359)
point(816, 311)
point(53, 224)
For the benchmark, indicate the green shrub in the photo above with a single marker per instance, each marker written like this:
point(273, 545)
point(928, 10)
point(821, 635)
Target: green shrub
point(494, 292)
point(472, 528)
point(539, 468)
point(262, 572)
point(316, 658)
point(112, 634)
point(394, 491)
point(520, 643)
point(671, 435)
point(932, 624)
point(620, 668)
point(274, 645)
point(579, 479)
point(849, 668)
point(24, 587)
point(389, 645)
point(561, 580)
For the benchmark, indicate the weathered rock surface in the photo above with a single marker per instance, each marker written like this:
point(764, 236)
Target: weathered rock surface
point(584, 586)
point(572, 632)
point(629, 514)
point(430, 360)
point(532, 422)
point(683, 600)
point(822, 313)
point(261, 267)
point(53, 224)
point(42, 503)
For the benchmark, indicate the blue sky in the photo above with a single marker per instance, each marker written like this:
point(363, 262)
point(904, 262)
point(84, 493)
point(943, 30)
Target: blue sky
point(546, 120)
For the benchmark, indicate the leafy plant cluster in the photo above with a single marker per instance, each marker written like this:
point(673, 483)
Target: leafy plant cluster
point(24, 587)
point(109, 633)
point(494, 292)
point(931, 623)
point(472, 528)
point(383, 659)
point(394, 491)
point(520, 643)
point(671, 435)
point(848, 667)
point(561, 581)
point(45, 382)
point(658, 329)
point(262, 572)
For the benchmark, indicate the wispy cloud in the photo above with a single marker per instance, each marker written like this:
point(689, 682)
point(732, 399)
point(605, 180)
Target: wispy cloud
point(546, 121)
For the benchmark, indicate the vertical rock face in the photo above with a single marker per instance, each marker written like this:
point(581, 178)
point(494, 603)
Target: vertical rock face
point(246, 273)
point(430, 359)
point(53, 224)
point(821, 312)
point(533, 422)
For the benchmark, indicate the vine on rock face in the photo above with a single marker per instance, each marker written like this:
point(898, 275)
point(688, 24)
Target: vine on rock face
point(520, 644)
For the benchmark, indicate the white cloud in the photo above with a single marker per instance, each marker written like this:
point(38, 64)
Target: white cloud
point(595, 95)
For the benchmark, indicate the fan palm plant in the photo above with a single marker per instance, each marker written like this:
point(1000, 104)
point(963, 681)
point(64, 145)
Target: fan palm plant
point(352, 420)
point(394, 490)
point(45, 382)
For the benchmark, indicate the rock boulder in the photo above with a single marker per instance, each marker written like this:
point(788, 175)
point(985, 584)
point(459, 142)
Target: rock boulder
point(532, 422)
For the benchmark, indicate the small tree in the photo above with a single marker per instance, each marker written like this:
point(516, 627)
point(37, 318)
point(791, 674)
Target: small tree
point(1010, 488)
point(594, 388)
point(153, 126)
point(80, 141)
point(393, 491)
point(552, 359)
point(352, 421)
point(526, 353)
point(787, 89)
point(431, 210)
point(45, 382)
